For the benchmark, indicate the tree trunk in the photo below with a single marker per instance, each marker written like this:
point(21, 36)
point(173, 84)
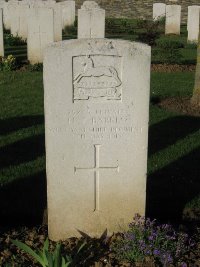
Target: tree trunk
point(195, 100)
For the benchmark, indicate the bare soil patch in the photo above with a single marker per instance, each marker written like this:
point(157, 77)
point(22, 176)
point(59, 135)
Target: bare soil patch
point(172, 68)
point(181, 105)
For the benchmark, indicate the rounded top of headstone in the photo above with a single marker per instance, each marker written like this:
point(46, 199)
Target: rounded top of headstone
point(90, 5)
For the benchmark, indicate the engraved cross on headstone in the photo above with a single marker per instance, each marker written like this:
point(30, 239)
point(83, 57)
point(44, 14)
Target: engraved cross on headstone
point(96, 169)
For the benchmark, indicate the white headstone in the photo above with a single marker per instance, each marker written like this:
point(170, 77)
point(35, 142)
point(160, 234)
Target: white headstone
point(57, 22)
point(1, 33)
point(6, 16)
point(91, 21)
point(2, 2)
point(57, 14)
point(96, 126)
point(159, 10)
point(173, 19)
point(23, 8)
point(68, 13)
point(41, 3)
point(40, 32)
point(14, 18)
point(193, 23)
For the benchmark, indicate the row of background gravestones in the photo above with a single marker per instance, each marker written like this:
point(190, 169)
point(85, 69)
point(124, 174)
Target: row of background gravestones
point(41, 22)
point(172, 14)
point(38, 22)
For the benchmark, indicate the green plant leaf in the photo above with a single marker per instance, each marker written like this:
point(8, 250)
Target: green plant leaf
point(49, 257)
point(64, 263)
point(28, 250)
point(45, 249)
point(46, 245)
point(81, 247)
point(57, 255)
point(69, 259)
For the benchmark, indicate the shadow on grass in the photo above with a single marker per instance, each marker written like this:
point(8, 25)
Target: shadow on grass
point(168, 132)
point(172, 187)
point(22, 202)
point(14, 124)
point(22, 151)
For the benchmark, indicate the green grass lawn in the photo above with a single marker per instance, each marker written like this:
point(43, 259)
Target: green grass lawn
point(127, 29)
point(173, 161)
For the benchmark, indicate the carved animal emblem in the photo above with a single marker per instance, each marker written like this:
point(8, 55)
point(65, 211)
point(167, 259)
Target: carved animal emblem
point(91, 71)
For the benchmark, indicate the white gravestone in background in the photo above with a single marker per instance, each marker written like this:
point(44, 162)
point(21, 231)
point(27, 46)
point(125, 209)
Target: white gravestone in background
point(2, 5)
point(14, 18)
point(91, 21)
point(6, 17)
point(193, 23)
point(96, 126)
point(40, 32)
point(68, 13)
point(159, 10)
point(173, 19)
point(57, 14)
point(1, 33)
point(23, 23)
point(2, 2)
point(57, 9)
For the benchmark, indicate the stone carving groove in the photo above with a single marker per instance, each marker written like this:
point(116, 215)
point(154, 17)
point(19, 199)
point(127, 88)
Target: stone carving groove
point(94, 80)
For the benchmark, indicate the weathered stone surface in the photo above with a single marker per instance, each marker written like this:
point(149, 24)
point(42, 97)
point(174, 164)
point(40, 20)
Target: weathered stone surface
point(193, 23)
point(40, 32)
point(91, 21)
point(173, 19)
point(23, 9)
point(6, 17)
point(2, 6)
point(2, 2)
point(96, 126)
point(68, 13)
point(159, 10)
point(1, 33)
point(57, 14)
point(14, 17)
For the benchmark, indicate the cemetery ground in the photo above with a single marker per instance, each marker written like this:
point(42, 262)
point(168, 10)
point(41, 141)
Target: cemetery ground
point(173, 152)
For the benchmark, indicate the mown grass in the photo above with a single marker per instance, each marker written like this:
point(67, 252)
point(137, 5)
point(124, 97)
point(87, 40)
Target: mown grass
point(173, 161)
point(126, 29)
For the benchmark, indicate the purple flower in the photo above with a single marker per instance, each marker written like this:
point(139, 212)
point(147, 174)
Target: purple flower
point(151, 237)
point(166, 258)
point(156, 252)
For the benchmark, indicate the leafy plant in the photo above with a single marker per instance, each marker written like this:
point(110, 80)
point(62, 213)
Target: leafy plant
point(35, 67)
point(109, 23)
point(7, 265)
point(191, 46)
point(7, 63)
point(70, 30)
point(169, 44)
point(124, 22)
point(169, 51)
point(11, 40)
point(44, 257)
point(146, 239)
point(150, 31)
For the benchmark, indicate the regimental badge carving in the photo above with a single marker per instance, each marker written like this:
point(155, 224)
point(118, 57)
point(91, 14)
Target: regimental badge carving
point(97, 78)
